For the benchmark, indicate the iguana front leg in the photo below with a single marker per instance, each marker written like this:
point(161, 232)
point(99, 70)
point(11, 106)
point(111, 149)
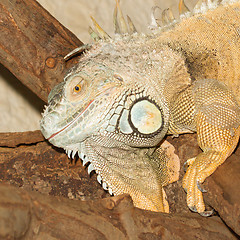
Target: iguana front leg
point(217, 144)
point(212, 111)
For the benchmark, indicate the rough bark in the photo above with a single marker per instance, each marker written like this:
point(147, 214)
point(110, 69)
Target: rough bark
point(35, 216)
point(18, 138)
point(33, 44)
point(38, 166)
point(223, 191)
point(41, 167)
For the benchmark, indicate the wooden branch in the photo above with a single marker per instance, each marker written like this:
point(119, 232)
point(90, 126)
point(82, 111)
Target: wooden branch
point(18, 138)
point(29, 215)
point(32, 45)
point(41, 167)
point(223, 191)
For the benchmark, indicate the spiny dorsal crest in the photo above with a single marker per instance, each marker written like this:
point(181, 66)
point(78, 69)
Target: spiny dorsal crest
point(123, 28)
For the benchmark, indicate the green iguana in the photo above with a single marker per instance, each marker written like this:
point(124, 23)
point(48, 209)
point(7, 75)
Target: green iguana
point(125, 94)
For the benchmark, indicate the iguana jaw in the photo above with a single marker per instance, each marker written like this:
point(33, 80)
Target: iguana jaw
point(69, 124)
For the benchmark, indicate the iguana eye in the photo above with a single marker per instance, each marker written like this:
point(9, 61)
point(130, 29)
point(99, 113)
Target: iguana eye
point(77, 88)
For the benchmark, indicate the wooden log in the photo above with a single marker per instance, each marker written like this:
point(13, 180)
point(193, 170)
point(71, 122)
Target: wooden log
point(223, 191)
point(29, 215)
point(41, 167)
point(18, 138)
point(33, 44)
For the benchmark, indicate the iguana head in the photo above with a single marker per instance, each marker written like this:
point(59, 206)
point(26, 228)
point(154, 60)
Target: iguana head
point(108, 93)
point(119, 89)
point(77, 106)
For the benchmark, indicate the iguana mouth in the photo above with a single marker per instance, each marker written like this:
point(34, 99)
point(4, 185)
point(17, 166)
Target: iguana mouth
point(73, 121)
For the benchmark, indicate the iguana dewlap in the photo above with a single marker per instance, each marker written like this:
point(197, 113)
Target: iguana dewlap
point(125, 94)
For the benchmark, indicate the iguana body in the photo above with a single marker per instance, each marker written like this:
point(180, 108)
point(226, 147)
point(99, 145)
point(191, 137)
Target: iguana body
point(126, 94)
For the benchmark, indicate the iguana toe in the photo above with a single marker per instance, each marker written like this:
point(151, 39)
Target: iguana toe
point(188, 163)
point(207, 213)
point(200, 187)
point(193, 189)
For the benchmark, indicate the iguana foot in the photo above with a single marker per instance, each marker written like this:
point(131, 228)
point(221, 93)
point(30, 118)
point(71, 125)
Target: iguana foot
point(194, 176)
point(199, 169)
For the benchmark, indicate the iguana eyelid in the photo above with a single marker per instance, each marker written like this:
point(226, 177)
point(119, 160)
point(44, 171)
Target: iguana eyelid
point(75, 88)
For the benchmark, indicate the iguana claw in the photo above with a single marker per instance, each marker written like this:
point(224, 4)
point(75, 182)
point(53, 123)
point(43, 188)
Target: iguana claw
point(204, 213)
point(188, 163)
point(193, 209)
point(200, 187)
point(207, 213)
point(185, 166)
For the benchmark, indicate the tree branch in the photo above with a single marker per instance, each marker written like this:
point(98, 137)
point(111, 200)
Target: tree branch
point(223, 191)
point(33, 44)
point(18, 138)
point(31, 215)
point(38, 166)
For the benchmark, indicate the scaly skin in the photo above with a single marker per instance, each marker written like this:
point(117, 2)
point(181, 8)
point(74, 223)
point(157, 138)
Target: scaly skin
point(126, 94)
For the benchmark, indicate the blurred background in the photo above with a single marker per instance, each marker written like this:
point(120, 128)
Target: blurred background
point(19, 108)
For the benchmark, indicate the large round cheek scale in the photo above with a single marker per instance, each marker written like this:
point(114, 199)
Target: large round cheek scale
point(146, 117)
